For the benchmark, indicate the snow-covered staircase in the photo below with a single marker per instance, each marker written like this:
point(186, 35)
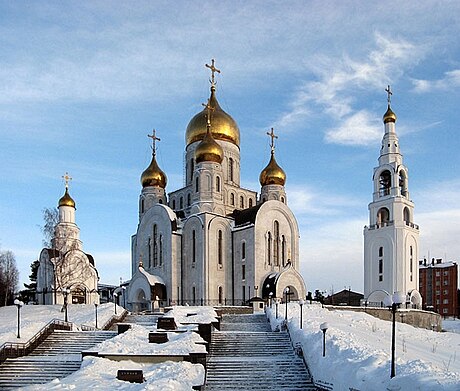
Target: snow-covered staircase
point(247, 355)
point(146, 320)
point(57, 356)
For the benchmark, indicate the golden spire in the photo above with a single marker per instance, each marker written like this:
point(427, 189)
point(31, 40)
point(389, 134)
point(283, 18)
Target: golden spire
point(208, 150)
point(153, 175)
point(213, 71)
point(272, 174)
point(389, 116)
point(66, 199)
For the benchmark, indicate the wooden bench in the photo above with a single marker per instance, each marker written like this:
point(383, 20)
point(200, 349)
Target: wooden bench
point(131, 375)
point(158, 337)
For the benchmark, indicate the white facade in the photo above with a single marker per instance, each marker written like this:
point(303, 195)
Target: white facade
point(212, 242)
point(65, 266)
point(391, 240)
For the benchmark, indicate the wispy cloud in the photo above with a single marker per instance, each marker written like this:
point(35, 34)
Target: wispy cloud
point(451, 80)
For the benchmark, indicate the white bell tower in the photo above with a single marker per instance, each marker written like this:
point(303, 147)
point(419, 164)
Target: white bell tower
point(391, 240)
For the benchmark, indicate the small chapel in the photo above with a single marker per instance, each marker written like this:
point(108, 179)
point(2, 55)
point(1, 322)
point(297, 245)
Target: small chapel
point(66, 274)
point(213, 242)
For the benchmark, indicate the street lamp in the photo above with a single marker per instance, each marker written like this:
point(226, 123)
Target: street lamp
point(66, 293)
point(256, 287)
point(286, 292)
point(301, 303)
point(324, 326)
point(115, 301)
point(18, 303)
point(277, 301)
point(95, 305)
point(393, 302)
point(270, 297)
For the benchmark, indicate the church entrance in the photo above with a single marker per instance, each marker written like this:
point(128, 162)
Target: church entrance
point(78, 296)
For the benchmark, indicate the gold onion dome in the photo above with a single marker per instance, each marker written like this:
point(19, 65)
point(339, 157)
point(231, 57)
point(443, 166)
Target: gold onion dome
point(66, 199)
point(224, 126)
point(153, 175)
point(208, 150)
point(273, 174)
point(389, 116)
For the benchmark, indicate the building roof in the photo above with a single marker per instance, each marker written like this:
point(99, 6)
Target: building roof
point(245, 216)
point(436, 264)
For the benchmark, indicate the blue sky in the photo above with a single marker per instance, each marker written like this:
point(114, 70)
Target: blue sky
point(82, 83)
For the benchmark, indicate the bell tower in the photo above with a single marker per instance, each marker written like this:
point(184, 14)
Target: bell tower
point(391, 240)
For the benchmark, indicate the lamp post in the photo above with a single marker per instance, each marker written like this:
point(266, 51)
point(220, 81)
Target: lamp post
point(276, 306)
point(301, 303)
point(66, 293)
point(393, 303)
point(115, 302)
point(323, 327)
point(286, 292)
point(18, 303)
point(95, 305)
point(256, 288)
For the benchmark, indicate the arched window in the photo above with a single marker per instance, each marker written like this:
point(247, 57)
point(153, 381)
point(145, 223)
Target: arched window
point(192, 168)
point(142, 205)
point(411, 261)
point(174, 204)
point(149, 244)
point(189, 199)
point(193, 295)
point(219, 247)
point(181, 203)
point(243, 250)
point(161, 250)
point(385, 183)
point(383, 217)
point(250, 202)
point(232, 199)
point(407, 215)
point(269, 248)
point(283, 250)
point(241, 202)
point(193, 246)
point(230, 169)
point(276, 243)
point(220, 293)
point(282, 200)
point(380, 251)
point(380, 263)
point(218, 184)
point(403, 183)
point(155, 245)
point(160, 201)
point(197, 184)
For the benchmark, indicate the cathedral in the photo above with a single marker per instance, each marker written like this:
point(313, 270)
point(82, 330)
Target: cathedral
point(66, 274)
point(391, 240)
point(212, 241)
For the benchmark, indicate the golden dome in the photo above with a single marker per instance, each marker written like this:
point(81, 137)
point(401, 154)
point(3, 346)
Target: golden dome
point(224, 126)
point(153, 175)
point(66, 199)
point(272, 174)
point(389, 116)
point(208, 150)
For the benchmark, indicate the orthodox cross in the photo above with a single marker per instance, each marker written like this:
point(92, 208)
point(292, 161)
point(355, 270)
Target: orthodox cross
point(213, 70)
point(154, 140)
point(272, 136)
point(388, 91)
point(67, 178)
point(209, 110)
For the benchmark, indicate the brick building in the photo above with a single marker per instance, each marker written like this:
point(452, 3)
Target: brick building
point(438, 286)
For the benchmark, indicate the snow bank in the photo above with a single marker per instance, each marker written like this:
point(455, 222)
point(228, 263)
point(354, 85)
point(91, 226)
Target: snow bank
point(358, 351)
point(188, 314)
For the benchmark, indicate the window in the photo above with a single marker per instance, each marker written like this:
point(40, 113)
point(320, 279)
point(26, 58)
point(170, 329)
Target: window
point(381, 252)
point(282, 200)
point(438, 274)
point(218, 184)
point(181, 203)
point(244, 293)
point(380, 278)
point(142, 205)
point(445, 292)
point(193, 294)
point(383, 217)
point(174, 204)
point(438, 293)
point(219, 247)
point(250, 202)
point(243, 250)
point(269, 247)
point(241, 202)
point(161, 250)
point(444, 310)
point(385, 183)
point(411, 261)
point(445, 273)
point(232, 199)
point(197, 184)
point(380, 266)
point(220, 293)
point(438, 283)
point(193, 246)
point(230, 169)
point(189, 199)
point(283, 251)
point(446, 282)
point(243, 272)
point(445, 301)
point(150, 252)
point(276, 250)
point(155, 245)
point(192, 168)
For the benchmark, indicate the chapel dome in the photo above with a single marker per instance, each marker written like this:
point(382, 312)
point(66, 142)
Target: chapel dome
point(66, 199)
point(273, 174)
point(224, 126)
point(389, 116)
point(208, 150)
point(153, 175)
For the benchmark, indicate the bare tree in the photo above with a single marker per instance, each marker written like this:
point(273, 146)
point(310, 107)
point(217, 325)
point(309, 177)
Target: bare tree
point(9, 277)
point(50, 219)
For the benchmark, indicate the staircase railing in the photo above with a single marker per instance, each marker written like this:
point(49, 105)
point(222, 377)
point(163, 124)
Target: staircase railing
point(15, 349)
point(114, 319)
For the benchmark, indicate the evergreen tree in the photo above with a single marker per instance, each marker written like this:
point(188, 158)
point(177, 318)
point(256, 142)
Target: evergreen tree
point(29, 294)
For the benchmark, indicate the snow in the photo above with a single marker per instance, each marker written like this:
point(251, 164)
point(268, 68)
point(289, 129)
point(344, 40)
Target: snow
point(189, 314)
point(35, 317)
point(358, 351)
point(452, 325)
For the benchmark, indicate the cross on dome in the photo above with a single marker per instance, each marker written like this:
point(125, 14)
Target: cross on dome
point(209, 110)
point(273, 137)
point(213, 71)
point(67, 178)
point(388, 91)
point(154, 140)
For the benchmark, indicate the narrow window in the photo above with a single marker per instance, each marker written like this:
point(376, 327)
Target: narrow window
point(193, 295)
point(269, 247)
point(161, 250)
point(142, 205)
point(192, 168)
point(193, 246)
point(174, 204)
point(230, 169)
point(197, 184)
point(282, 200)
point(243, 250)
point(189, 199)
point(381, 252)
point(181, 203)
point(155, 245)
point(380, 266)
point(219, 247)
point(218, 184)
point(244, 294)
point(243, 272)
point(220, 295)
point(411, 261)
point(232, 199)
point(250, 202)
point(276, 250)
point(241, 202)
point(385, 183)
point(150, 252)
point(283, 250)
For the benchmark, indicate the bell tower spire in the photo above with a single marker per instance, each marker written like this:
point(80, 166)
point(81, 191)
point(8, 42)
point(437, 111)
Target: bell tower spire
point(391, 239)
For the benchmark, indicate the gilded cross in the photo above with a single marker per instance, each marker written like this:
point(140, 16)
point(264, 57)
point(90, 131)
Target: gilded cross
point(67, 178)
point(272, 136)
point(388, 91)
point(213, 70)
point(209, 110)
point(154, 140)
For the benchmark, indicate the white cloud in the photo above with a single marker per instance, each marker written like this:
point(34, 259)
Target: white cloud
point(450, 80)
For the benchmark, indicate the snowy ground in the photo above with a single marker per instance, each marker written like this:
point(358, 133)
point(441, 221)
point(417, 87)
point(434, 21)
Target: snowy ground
point(358, 351)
